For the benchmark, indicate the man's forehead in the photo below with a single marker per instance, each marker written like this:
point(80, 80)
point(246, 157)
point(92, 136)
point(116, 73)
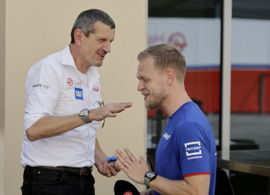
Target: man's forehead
point(140, 70)
point(146, 64)
point(101, 25)
point(145, 68)
point(103, 29)
point(148, 60)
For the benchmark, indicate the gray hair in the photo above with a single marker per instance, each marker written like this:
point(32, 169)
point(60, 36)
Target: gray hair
point(87, 19)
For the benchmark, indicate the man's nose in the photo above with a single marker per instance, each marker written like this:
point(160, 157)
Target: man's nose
point(140, 86)
point(107, 47)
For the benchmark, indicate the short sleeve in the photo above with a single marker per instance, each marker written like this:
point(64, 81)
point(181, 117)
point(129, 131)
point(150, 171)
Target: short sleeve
point(43, 84)
point(193, 150)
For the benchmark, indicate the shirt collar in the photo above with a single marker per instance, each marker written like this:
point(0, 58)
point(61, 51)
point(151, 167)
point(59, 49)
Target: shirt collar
point(67, 59)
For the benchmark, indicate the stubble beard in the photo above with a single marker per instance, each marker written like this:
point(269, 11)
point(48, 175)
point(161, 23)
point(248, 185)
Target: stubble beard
point(156, 101)
point(95, 62)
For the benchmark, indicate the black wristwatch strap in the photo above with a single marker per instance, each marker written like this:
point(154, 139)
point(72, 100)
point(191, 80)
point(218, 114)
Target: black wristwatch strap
point(148, 177)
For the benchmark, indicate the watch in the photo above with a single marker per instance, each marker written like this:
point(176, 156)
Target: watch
point(148, 177)
point(84, 115)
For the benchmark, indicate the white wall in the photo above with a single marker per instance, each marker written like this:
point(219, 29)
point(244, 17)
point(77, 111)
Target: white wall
point(2, 84)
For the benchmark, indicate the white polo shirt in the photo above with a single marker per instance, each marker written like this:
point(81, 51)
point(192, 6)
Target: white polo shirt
point(55, 87)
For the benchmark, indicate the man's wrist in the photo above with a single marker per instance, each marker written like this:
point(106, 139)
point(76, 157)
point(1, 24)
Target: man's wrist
point(84, 115)
point(148, 177)
point(92, 115)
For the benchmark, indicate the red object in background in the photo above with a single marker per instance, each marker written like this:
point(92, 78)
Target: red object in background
point(245, 91)
point(266, 97)
point(250, 90)
point(153, 112)
point(204, 86)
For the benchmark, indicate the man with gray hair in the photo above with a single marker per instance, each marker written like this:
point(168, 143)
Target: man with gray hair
point(63, 111)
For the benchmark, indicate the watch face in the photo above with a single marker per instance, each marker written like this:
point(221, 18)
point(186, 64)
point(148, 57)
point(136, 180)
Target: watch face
point(84, 115)
point(150, 174)
point(84, 112)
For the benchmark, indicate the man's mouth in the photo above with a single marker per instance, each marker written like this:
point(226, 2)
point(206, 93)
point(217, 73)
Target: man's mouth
point(145, 95)
point(101, 54)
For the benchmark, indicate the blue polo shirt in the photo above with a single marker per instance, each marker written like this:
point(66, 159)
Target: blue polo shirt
point(187, 146)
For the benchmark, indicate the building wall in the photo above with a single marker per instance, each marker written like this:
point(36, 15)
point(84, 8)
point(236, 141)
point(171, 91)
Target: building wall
point(2, 84)
point(35, 29)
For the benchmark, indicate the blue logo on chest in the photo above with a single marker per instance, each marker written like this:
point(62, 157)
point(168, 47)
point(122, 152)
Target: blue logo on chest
point(78, 93)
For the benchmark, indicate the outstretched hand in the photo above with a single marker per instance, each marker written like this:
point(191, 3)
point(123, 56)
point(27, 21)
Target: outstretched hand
point(134, 168)
point(108, 110)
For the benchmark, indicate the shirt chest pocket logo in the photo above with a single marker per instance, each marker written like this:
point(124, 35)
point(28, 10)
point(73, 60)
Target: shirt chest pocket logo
point(96, 89)
point(78, 92)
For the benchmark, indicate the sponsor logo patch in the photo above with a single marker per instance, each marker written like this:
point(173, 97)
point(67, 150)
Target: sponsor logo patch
point(69, 81)
point(166, 136)
point(193, 150)
point(78, 93)
point(40, 85)
point(96, 89)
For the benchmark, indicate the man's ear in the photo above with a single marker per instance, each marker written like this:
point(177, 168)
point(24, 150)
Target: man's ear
point(78, 34)
point(169, 75)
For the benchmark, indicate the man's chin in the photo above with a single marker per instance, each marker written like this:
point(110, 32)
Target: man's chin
point(98, 64)
point(150, 106)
